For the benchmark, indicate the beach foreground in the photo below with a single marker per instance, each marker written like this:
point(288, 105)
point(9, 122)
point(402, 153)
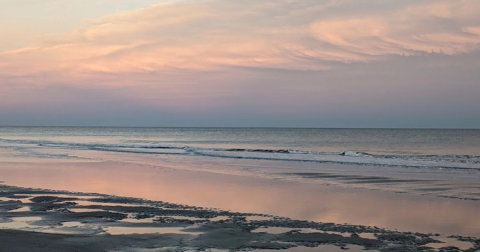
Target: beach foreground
point(46, 220)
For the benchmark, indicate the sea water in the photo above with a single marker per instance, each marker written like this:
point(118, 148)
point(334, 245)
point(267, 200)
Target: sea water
point(428, 148)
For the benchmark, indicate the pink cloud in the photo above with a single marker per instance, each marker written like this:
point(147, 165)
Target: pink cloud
point(205, 55)
point(211, 35)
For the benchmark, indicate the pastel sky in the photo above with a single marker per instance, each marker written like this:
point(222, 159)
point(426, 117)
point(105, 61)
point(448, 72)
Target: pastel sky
point(281, 63)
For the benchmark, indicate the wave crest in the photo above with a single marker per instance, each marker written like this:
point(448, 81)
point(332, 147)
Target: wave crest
point(344, 157)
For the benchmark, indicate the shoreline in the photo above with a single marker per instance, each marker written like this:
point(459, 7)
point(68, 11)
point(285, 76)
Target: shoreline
point(111, 223)
point(199, 182)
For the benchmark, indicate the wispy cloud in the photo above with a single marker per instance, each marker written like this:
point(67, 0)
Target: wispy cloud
point(277, 60)
point(286, 34)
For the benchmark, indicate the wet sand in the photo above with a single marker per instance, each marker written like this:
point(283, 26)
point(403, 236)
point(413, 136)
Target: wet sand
point(233, 187)
point(312, 203)
point(49, 221)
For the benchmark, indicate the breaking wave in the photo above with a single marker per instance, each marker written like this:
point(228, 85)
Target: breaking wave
point(344, 157)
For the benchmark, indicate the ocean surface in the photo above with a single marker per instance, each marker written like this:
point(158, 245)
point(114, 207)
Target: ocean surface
point(419, 148)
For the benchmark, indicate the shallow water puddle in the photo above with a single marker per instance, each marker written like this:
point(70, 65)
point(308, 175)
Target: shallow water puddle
point(92, 203)
point(281, 230)
point(367, 236)
point(11, 199)
point(134, 220)
point(170, 249)
point(145, 230)
point(6, 199)
point(84, 210)
point(73, 224)
point(337, 233)
point(185, 218)
point(258, 218)
point(463, 245)
point(59, 195)
point(19, 223)
point(219, 218)
point(21, 209)
point(210, 250)
point(73, 227)
point(323, 248)
point(25, 200)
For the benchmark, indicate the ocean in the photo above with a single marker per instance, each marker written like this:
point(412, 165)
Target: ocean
point(419, 148)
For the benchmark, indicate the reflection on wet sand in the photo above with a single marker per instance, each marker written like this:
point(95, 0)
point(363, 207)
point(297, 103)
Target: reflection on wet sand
point(144, 230)
point(280, 230)
point(248, 194)
point(19, 222)
point(323, 248)
point(118, 223)
point(463, 245)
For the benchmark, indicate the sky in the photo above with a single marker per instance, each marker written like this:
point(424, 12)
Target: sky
point(240, 63)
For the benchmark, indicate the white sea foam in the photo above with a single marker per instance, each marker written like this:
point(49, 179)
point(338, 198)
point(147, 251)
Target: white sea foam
point(345, 157)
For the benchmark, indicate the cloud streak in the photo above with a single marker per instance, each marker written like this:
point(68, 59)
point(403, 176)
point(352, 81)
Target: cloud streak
point(234, 62)
point(288, 34)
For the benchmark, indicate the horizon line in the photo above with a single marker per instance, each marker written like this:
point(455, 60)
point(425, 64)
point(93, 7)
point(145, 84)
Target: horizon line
point(235, 127)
